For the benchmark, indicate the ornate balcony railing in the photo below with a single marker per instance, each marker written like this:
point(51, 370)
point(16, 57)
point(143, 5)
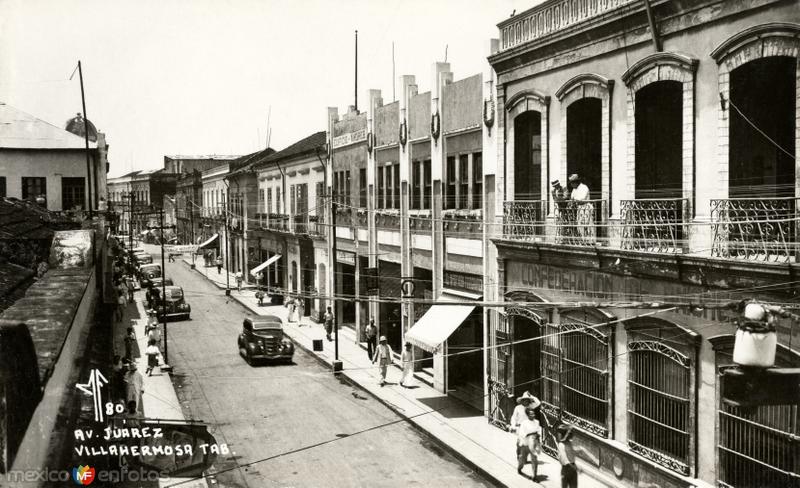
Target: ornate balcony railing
point(550, 17)
point(524, 220)
point(387, 220)
point(316, 225)
point(755, 229)
point(344, 217)
point(420, 222)
point(654, 225)
point(279, 222)
point(466, 225)
point(581, 223)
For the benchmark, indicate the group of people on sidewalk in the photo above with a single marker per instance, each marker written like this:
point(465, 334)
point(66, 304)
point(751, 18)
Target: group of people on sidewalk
point(379, 351)
point(530, 424)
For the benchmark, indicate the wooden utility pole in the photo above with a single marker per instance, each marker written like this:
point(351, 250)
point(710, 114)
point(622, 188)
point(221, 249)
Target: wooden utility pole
point(89, 172)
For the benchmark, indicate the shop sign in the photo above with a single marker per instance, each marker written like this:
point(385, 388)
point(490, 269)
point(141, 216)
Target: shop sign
point(350, 138)
point(346, 257)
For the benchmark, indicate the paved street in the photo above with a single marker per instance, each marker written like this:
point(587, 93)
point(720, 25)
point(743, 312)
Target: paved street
point(266, 411)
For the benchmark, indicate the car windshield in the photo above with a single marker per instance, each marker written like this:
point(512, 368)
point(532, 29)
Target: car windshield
point(267, 325)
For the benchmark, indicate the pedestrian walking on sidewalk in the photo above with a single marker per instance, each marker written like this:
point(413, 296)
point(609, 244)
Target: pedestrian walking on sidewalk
point(292, 306)
point(328, 324)
point(383, 356)
point(130, 288)
point(171, 257)
point(529, 435)
point(130, 340)
point(118, 380)
point(134, 386)
point(300, 310)
point(566, 456)
point(219, 264)
point(372, 338)
point(121, 303)
point(239, 279)
point(408, 366)
point(153, 353)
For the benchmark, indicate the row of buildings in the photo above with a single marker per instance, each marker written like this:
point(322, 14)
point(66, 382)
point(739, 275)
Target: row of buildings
point(682, 120)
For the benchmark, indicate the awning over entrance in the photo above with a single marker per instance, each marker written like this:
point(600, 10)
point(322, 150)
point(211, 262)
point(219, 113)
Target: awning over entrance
point(263, 265)
point(438, 323)
point(207, 242)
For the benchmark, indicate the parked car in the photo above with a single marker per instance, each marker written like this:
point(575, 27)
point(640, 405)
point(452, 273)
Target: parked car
point(263, 338)
point(147, 272)
point(173, 304)
point(156, 282)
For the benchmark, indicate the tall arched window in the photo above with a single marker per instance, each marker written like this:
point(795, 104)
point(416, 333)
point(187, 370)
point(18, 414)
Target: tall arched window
point(661, 392)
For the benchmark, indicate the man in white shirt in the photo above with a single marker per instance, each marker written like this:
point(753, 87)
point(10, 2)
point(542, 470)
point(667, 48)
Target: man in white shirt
point(584, 208)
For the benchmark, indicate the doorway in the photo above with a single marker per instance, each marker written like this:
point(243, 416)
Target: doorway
point(528, 156)
point(525, 356)
point(659, 141)
point(763, 101)
point(584, 143)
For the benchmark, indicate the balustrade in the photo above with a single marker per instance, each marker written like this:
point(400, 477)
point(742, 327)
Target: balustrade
point(524, 220)
point(581, 223)
point(654, 225)
point(755, 229)
point(550, 17)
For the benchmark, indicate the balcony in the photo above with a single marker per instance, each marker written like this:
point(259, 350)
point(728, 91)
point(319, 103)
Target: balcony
point(654, 225)
point(316, 225)
point(755, 229)
point(551, 17)
point(387, 220)
point(524, 219)
point(465, 224)
point(581, 223)
point(279, 222)
point(344, 217)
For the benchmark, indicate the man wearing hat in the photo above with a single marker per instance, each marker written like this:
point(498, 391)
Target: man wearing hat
point(584, 209)
point(383, 356)
point(566, 456)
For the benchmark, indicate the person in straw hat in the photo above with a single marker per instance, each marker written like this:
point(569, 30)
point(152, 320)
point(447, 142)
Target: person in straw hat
point(383, 356)
point(566, 455)
point(529, 441)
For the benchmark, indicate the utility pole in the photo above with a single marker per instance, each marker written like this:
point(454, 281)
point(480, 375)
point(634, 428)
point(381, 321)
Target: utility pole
point(89, 171)
point(164, 288)
point(191, 223)
point(337, 364)
point(227, 248)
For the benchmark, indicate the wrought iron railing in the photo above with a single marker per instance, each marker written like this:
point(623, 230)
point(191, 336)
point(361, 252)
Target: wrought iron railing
point(654, 225)
point(300, 224)
point(581, 223)
point(344, 217)
point(756, 229)
point(316, 225)
point(550, 17)
point(524, 220)
point(278, 222)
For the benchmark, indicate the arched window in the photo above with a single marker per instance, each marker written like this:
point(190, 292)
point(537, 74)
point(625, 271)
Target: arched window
point(661, 392)
point(756, 447)
point(527, 153)
point(580, 370)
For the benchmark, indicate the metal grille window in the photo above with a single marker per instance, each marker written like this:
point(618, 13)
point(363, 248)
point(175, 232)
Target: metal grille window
point(661, 386)
point(758, 446)
point(33, 187)
point(576, 365)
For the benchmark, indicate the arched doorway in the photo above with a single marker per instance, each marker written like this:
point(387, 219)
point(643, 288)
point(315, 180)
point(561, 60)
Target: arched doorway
point(584, 143)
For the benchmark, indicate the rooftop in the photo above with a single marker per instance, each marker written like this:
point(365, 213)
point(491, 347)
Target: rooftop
point(303, 146)
point(20, 130)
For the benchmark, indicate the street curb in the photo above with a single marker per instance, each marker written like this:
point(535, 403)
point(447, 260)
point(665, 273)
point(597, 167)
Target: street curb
point(408, 420)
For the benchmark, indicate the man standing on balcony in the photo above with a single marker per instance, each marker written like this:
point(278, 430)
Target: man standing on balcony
point(584, 209)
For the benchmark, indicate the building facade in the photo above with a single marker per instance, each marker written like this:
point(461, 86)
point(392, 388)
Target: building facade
point(681, 119)
point(46, 164)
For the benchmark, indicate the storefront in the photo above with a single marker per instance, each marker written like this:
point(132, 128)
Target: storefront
point(640, 385)
point(346, 288)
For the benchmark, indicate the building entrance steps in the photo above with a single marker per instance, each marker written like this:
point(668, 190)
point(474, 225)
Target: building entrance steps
point(456, 426)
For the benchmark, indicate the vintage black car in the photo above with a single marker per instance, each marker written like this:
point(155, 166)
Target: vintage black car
point(262, 338)
point(173, 304)
point(147, 272)
point(142, 258)
point(157, 282)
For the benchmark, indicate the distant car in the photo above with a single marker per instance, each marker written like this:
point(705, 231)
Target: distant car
point(142, 258)
point(263, 338)
point(156, 282)
point(147, 272)
point(173, 304)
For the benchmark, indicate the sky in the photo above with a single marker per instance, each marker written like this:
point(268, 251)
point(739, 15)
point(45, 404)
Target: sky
point(167, 77)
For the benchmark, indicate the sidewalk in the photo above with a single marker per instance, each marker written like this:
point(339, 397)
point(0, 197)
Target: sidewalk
point(461, 429)
point(159, 400)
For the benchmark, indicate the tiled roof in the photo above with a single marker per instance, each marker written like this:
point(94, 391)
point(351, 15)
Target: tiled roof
point(20, 130)
point(23, 220)
point(247, 162)
point(303, 146)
